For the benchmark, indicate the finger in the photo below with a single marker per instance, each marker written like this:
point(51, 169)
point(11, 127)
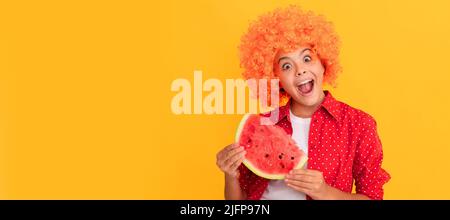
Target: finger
point(233, 153)
point(235, 150)
point(227, 153)
point(236, 164)
point(231, 147)
point(302, 178)
point(224, 151)
point(300, 183)
point(225, 161)
point(314, 172)
point(300, 189)
point(303, 172)
point(234, 158)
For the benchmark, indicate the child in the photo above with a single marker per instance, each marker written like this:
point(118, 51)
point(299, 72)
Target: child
point(301, 50)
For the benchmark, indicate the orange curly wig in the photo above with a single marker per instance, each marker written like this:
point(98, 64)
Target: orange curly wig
point(287, 29)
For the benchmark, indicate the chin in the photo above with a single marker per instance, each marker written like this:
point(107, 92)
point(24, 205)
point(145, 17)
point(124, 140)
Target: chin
point(310, 100)
point(307, 101)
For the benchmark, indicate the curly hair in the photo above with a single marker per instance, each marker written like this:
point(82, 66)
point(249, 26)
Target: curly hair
point(287, 29)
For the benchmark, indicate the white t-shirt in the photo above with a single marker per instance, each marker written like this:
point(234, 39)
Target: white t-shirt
point(277, 189)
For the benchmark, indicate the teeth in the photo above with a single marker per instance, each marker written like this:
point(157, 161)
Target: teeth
point(306, 81)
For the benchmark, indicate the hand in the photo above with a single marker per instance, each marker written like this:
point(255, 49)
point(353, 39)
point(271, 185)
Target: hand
point(310, 182)
point(229, 159)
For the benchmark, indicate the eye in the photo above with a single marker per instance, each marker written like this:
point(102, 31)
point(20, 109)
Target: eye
point(307, 59)
point(286, 66)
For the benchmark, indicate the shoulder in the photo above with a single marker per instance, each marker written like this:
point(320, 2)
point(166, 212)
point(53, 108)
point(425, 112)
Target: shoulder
point(362, 128)
point(356, 116)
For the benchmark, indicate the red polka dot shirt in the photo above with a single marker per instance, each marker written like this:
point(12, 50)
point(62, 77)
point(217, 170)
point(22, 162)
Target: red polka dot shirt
point(343, 144)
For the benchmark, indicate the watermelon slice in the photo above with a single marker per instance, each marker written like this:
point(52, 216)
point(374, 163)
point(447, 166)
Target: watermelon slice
point(271, 152)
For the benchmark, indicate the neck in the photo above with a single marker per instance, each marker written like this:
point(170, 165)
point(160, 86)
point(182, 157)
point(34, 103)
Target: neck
point(304, 111)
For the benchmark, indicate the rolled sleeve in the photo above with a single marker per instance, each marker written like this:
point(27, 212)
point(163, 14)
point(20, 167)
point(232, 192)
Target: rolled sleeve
point(367, 171)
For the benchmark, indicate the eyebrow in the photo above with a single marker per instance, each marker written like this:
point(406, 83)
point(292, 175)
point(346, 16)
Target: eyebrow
point(301, 52)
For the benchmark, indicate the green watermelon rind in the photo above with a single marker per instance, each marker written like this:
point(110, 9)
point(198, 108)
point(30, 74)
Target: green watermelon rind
point(252, 167)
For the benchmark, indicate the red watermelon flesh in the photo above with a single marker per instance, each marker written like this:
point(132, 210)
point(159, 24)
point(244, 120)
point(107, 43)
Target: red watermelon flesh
point(271, 152)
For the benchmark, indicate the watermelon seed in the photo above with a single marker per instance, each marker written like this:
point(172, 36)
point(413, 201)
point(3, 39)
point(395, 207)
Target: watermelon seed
point(267, 155)
point(292, 158)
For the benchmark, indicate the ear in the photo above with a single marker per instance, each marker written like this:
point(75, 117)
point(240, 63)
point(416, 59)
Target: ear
point(324, 65)
point(284, 97)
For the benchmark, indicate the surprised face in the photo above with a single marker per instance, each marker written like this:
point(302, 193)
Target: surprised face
point(301, 75)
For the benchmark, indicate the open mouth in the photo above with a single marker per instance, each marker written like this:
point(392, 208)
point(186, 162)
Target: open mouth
point(306, 87)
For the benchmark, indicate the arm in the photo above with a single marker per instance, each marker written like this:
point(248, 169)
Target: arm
point(312, 183)
point(367, 172)
point(337, 194)
point(233, 190)
point(228, 160)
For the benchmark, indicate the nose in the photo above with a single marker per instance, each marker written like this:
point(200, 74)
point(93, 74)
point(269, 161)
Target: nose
point(301, 72)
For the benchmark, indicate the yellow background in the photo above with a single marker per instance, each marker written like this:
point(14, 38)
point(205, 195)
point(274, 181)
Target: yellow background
point(85, 93)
